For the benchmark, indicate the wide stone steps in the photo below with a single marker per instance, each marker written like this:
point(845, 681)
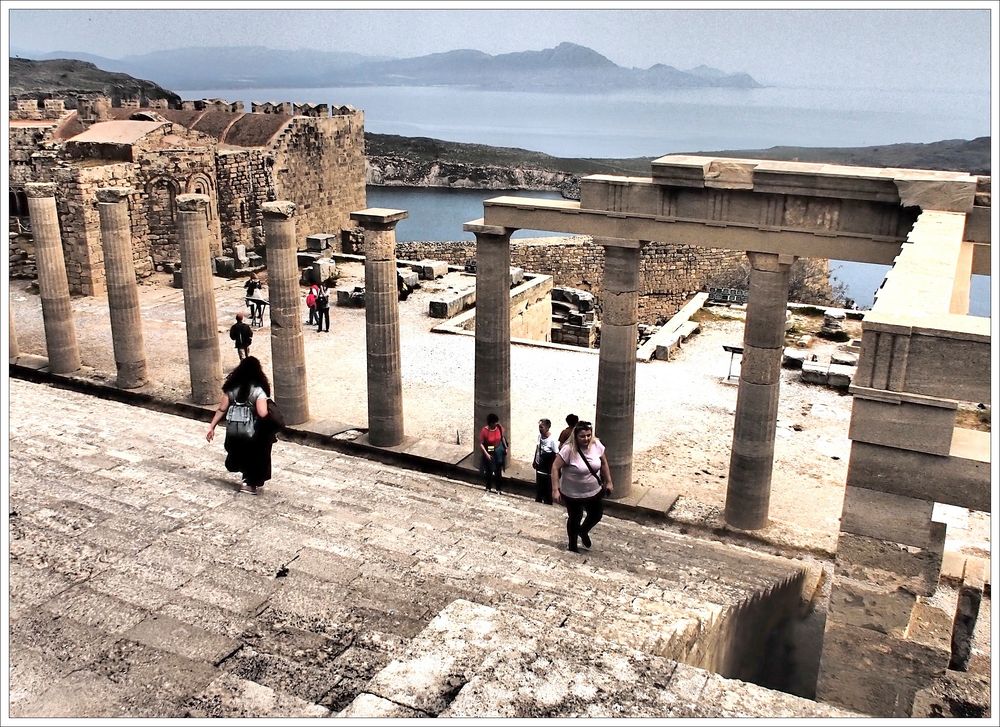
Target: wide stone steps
point(473, 661)
point(132, 556)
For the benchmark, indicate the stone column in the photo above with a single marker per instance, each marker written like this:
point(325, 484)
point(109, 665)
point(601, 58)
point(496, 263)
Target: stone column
point(615, 423)
point(385, 383)
point(288, 353)
point(200, 319)
point(15, 351)
point(123, 291)
point(492, 377)
point(752, 456)
point(53, 285)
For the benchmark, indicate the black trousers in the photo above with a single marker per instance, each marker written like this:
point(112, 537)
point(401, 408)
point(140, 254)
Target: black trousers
point(322, 314)
point(575, 509)
point(543, 487)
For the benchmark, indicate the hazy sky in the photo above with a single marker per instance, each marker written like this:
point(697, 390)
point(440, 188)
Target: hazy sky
point(903, 47)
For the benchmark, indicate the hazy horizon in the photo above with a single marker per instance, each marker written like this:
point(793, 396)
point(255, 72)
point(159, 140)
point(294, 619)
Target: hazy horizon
point(880, 48)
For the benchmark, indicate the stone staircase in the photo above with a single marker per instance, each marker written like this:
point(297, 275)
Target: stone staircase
point(142, 585)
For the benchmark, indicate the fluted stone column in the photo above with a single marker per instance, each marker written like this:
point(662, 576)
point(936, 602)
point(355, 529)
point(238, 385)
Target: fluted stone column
point(15, 351)
point(200, 319)
point(752, 457)
point(123, 291)
point(492, 377)
point(615, 423)
point(57, 313)
point(385, 382)
point(288, 353)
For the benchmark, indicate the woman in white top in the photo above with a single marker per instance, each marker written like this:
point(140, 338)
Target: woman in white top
point(580, 478)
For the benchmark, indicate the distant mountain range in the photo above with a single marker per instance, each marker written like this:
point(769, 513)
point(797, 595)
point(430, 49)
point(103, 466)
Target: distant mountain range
point(567, 67)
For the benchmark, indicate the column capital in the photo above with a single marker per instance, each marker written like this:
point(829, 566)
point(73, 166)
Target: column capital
point(279, 208)
point(113, 195)
point(770, 261)
point(191, 202)
point(379, 218)
point(38, 190)
point(478, 227)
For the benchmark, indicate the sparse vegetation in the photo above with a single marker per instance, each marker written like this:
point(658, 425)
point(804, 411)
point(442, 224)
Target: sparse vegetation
point(810, 282)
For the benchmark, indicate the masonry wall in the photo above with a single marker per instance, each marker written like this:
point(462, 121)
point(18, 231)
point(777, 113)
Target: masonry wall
point(668, 273)
point(319, 163)
point(244, 180)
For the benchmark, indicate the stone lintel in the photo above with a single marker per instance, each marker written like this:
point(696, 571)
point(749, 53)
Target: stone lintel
point(114, 195)
point(481, 228)
point(191, 202)
point(379, 217)
point(937, 194)
point(39, 190)
point(944, 325)
point(619, 242)
point(900, 397)
point(280, 208)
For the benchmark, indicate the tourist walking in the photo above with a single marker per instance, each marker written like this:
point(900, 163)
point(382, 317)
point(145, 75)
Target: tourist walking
point(546, 449)
point(322, 308)
point(580, 478)
point(493, 445)
point(242, 334)
point(250, 431)
point(571, 420)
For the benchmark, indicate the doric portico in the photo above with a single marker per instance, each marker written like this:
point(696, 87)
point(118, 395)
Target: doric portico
point(921, 354)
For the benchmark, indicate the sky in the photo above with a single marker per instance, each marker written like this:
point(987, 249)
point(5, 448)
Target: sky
point(897, 45)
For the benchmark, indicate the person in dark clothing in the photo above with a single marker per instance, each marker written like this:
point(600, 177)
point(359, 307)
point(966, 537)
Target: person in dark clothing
point(564, 435)
point(247, 385)
point(322, 308)
point(242, 334)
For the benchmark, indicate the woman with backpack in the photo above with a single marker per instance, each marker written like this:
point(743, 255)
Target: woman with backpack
point(581, 477)
point(250, 431)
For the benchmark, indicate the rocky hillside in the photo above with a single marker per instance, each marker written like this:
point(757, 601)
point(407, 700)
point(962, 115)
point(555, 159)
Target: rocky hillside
point(63, 78)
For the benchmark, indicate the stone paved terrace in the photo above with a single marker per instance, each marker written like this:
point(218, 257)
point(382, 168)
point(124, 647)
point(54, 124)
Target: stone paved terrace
point(143, 585)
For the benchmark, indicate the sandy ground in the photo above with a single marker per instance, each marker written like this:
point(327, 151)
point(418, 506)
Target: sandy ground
point(684, 407)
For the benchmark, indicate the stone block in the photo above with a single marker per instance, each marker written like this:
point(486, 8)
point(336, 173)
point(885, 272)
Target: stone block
point(306, 258)
point(930, 625)
point(970, 597)
point(240, 253)
point(903, 425)
point(516, 276)
point(322, 269)
point(431, 269)
point(892, 565)
point(949, 480)
point(410, 278)
point(814, 372)
point(169, 634)
point(895, 518)
point(839, 376)
point(883, 609)
point(844, 358)
point(178, 281)
point(224, 266)
point(320, 242)
point(793, 359)
point(254, 260)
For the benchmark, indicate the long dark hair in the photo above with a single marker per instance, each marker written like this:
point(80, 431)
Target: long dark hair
point(248, 373)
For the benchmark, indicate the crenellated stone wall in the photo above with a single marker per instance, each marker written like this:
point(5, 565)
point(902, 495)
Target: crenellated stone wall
point(319, 164)
point(668, 273)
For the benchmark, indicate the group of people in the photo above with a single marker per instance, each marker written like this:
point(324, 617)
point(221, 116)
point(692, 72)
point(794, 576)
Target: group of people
point(318, 303)
point(571, 470)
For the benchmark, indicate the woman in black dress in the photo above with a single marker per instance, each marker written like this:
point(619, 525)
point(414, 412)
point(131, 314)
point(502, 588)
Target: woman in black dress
point(251, 455)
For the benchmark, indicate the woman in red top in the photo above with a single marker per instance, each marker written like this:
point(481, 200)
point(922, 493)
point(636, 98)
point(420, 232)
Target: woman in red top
point(493, 445)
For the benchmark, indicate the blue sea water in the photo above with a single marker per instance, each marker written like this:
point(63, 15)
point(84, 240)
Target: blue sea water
point(639, 123)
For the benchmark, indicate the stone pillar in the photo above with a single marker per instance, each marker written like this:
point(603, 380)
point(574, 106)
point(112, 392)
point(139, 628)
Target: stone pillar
point(201, 321)
point(385, 383)
point(615, 423)
point(492, 377)
point(123, 291)
point(53, 285)
point(752, 456)
point(288, 353)
point(15, 351)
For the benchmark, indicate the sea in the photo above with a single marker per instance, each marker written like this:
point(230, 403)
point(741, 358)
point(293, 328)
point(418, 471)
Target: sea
point(642, 123)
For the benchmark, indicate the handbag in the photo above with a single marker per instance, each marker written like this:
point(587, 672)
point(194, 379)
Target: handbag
point(275, 414)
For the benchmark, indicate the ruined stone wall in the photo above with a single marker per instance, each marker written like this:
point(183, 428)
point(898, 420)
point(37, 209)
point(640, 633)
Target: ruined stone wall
point(668, 273)
point(320, 166)
point(244, 179)
point(80, 225)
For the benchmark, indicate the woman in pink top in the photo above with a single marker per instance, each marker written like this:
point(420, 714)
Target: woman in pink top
point(580, 477)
